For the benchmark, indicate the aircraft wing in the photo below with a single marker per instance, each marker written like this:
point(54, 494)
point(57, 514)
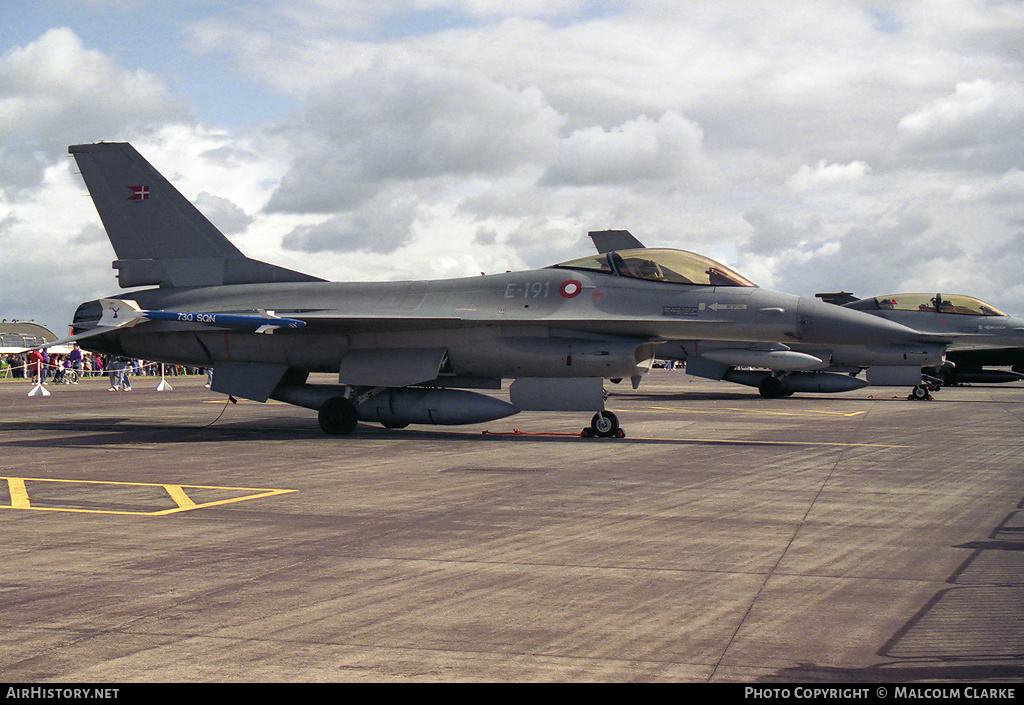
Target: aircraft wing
point(650, 327)
point(979, 356)
point(122, 313)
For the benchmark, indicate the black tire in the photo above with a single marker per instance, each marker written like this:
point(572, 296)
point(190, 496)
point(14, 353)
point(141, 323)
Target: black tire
point(604, 424)
point(770, 387)
point(920, 393)
point(337, 416)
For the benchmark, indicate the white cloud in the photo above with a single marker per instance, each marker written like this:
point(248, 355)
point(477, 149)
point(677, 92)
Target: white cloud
point(53, 260)
point(381, 226)
point(638, 150)
point(1003, 189)
point(226, 215)
point(825, 175)
point(54, 91)
point(835, 145)
point(978, 115)
point(391, 124)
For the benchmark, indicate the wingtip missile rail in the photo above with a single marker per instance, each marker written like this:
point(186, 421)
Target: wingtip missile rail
point(119, 313)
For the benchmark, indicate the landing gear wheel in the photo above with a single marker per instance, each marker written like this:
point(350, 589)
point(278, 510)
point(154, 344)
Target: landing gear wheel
point(337, 416)
point(605, 424)
point(770, 388)
point(920, 393)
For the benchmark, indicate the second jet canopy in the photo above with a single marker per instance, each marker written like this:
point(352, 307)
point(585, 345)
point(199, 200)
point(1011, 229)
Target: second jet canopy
point(933, 303)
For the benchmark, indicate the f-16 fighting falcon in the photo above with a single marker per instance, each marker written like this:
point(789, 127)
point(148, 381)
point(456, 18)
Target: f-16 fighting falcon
point(959, 335)
point(407, 352)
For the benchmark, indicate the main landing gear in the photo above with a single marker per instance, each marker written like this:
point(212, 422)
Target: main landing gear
point(338, 416)
point(605, 424)
point(771, 388)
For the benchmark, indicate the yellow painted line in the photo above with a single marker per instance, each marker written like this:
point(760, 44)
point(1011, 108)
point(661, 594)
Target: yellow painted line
point(782, 443)
point(178, 495)
point(206, 505)
point(766, 412)
point(776, 443)
point(19, 496)
point(20, 500)
point(268, 402)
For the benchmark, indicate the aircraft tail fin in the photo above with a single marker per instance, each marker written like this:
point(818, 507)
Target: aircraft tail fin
point(159, 237)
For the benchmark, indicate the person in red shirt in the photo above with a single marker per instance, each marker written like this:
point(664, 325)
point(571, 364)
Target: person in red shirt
point(37, 361)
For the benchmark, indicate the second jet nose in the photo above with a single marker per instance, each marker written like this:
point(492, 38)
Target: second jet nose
point(819, 322)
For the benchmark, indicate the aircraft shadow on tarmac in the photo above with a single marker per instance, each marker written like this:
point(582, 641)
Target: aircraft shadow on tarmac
point(117, 431)
point(113, 431)
point(971, 632)
point(880, 394)
point(684, 396)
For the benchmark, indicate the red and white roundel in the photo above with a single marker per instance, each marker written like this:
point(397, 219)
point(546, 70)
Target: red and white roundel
point(570, 288)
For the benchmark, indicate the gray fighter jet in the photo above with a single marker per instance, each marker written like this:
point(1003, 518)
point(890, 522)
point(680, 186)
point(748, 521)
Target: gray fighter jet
point(406, 352)
point(979, 333)
point(958, 334)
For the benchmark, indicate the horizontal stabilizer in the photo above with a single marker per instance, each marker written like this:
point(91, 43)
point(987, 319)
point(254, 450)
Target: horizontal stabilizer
point(116, 314)
point(71, 339)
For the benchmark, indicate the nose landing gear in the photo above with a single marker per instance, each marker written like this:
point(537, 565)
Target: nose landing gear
point(922, 392)
point(605, 424)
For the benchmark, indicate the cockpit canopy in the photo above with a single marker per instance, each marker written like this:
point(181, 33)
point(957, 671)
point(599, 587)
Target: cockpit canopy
point(934, 303)
point(660, 265)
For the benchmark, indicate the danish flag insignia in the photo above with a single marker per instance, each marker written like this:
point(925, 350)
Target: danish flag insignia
point(139, 193)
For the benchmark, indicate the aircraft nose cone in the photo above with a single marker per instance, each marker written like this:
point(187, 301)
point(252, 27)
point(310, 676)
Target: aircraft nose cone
point(819, 322)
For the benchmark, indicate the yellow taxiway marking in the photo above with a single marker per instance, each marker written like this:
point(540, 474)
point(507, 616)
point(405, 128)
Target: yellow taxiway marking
point(766, 412)
point(268, 402)
point(804, 444)
point(179, 496)
point(772, 442)
point(19, 496)
point(20, 500)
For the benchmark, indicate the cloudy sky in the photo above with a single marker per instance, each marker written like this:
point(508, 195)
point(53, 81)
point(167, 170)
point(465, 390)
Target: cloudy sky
point(813, 146)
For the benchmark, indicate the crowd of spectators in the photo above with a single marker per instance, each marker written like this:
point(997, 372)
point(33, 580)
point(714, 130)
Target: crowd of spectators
point(53, 366)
